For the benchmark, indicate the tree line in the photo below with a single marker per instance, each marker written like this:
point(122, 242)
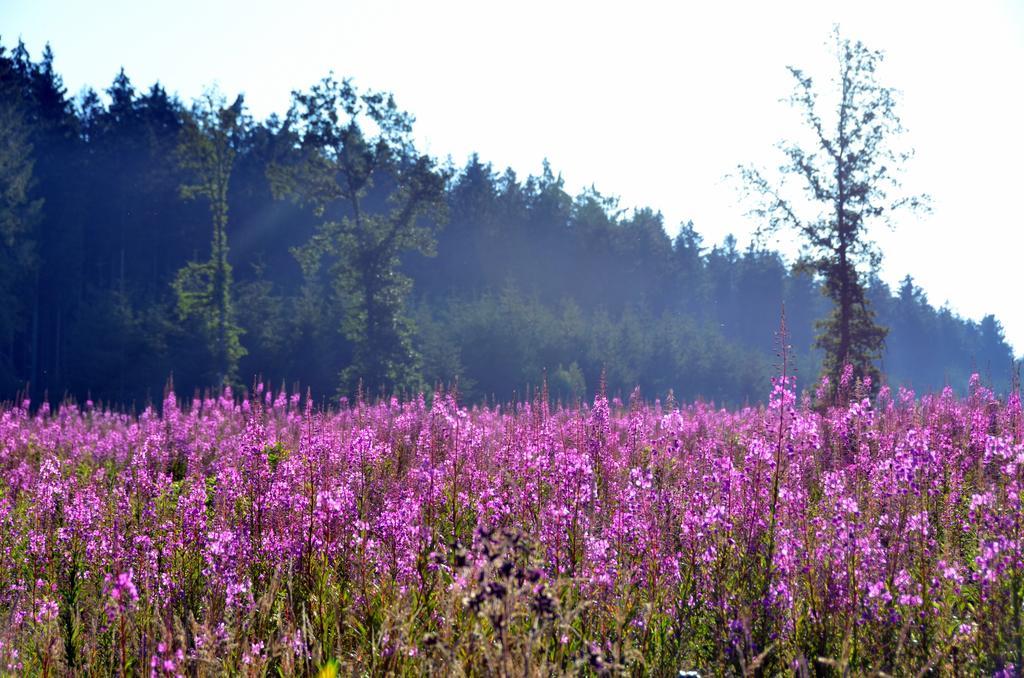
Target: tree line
point(143, 237)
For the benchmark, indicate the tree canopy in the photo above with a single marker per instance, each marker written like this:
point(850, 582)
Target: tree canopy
point(344, 252)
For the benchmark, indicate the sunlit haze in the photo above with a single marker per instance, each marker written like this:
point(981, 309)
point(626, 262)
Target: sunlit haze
point(653, 102)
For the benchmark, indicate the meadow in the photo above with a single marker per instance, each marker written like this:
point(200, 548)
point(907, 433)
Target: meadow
point(260, 535)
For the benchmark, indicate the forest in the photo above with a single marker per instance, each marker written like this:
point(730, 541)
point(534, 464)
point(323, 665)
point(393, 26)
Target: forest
point(145, 239)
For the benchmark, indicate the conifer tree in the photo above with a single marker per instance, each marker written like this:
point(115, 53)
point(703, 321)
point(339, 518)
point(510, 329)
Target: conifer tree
point(19, 212)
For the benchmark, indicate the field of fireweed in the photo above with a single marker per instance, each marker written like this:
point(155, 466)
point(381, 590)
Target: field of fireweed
point(261, 536)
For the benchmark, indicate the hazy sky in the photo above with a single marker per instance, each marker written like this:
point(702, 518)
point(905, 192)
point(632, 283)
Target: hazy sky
point(654, 102)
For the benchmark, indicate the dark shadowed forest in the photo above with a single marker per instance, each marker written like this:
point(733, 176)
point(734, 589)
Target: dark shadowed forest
point(145, 237)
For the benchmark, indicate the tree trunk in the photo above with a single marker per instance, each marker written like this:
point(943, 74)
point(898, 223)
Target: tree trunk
point(56, 350)
point(845, 307)
point(34, 348)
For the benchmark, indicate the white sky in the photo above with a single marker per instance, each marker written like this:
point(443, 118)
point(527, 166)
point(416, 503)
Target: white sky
point(651, 101)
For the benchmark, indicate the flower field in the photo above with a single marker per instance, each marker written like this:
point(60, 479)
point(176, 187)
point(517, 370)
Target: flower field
point(263, 536)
